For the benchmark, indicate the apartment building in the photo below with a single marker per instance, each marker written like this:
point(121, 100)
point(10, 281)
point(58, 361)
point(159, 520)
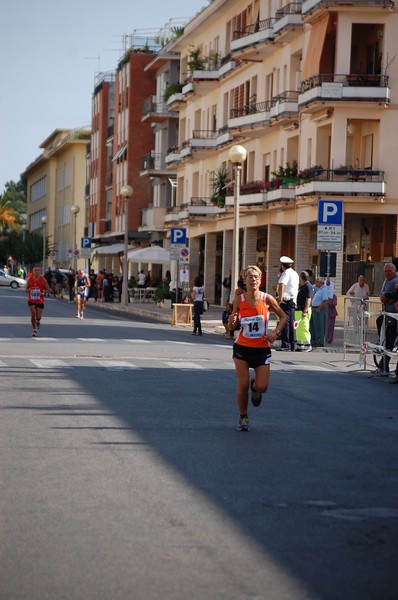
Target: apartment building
point(119, 140)
point(308, 89)
point(55, 183)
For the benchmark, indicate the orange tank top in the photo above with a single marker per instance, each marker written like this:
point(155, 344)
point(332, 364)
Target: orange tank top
point(254, 321)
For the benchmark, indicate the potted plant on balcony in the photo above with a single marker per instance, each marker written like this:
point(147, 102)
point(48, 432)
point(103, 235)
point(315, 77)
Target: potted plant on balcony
point(172, 88)
point(287, 174)
point(219, 187)
point(195, 61)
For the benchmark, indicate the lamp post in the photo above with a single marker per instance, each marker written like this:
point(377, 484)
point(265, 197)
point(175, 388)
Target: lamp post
point(75, 211)
point(126, 191)
point(24, 228)
point(237, 155)
point(43, 222)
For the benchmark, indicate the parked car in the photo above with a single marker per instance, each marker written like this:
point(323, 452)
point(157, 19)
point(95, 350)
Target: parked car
point(11, 281)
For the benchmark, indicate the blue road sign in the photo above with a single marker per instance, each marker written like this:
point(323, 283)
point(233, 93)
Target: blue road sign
point(178, 235)
point(330, 212)
point(86, 242)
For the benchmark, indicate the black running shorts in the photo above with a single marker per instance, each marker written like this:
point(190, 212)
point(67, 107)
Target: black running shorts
point(255, 357)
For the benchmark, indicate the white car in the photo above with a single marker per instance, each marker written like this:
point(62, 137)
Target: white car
point(11, 281)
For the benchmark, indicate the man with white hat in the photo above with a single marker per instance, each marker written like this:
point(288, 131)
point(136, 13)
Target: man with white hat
point(288, 285)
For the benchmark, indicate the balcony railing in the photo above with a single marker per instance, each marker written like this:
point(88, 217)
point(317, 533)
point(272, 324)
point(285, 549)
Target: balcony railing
point(152, 162)
point(351, 79)
point(253, 28)
point(293, 8)
point(250, 109)
point(344, 181)
point(310, 6)
point(334, 87)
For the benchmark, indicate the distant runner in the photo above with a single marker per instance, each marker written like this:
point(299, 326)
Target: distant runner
point(36, 287)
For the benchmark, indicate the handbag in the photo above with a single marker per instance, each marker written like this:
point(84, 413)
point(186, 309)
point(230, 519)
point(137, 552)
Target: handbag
point(205, 305)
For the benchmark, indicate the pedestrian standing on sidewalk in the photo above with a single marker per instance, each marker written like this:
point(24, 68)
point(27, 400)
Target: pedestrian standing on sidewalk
point(320, 303)
point(81, 283)
point(302, 315)
point(288, 285)
point(197, 295)
point(36, 287)
point(252, 347)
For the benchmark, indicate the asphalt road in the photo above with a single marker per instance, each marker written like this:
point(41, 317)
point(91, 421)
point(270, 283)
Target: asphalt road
point(122, 475)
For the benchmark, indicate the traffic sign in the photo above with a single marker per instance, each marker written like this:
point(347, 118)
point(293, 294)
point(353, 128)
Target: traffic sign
point(86, 242)
point(330, 225)
point(76, 253)
point(53, 254)
point(184, 256)
point(178, 235)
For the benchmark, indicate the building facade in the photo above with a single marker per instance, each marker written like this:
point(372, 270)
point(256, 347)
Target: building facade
point(308, 89)
point(56, 182)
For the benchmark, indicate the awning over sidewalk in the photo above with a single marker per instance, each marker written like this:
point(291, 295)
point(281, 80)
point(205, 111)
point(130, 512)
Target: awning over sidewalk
point(111, 250)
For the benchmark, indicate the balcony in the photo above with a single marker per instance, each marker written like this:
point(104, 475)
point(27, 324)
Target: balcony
point(202, 142)
point(254, 40)
point(330, 87)
point(156, 110)
point(196, 208)
point(227, 65)
point(175, 101)
point(173, 156)
point(311, 6)
point(154, 165)
point(250, 116)
point(288, 22)
point(152, 218)
point(342, 182)
point(284, 107)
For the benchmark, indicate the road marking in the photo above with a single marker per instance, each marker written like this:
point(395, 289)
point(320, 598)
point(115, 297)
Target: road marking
point(5, 339)
point(50, 363)
point(2, 364)
point(45, 339)
point(117, 365)
point(185, 365)
point(138, 341)
point(91, 339)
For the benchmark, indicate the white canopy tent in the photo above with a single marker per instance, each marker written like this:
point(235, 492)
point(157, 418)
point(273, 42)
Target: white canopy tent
point(151, 254)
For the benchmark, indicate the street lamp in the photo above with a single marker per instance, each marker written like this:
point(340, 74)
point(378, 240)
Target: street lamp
point(237, 156)
point(75, 211)
point(126, 191)
point(43, 222)
point(24, 228)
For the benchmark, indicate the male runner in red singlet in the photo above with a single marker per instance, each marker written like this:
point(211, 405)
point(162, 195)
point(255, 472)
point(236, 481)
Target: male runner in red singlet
point(36, 287)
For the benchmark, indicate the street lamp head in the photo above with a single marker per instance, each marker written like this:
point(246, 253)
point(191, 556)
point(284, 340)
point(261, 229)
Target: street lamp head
point(43, 220)
point(75, 209)
point(126, 190)
point(237, 154)
point(24, 227)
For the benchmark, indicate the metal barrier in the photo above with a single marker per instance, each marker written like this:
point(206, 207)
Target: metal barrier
point(360, 328)
point(360, 323)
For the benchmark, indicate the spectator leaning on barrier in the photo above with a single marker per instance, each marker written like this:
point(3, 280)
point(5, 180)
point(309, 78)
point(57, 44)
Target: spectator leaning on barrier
point(388, 297)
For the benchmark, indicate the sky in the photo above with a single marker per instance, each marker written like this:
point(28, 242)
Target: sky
point(49, 54)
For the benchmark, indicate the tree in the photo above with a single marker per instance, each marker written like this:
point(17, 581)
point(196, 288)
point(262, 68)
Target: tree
point(7, 215)
point(14, 197)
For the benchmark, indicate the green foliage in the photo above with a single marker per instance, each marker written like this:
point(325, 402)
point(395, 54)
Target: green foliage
point(29, 250)
point(173, 88)
point(219, 186)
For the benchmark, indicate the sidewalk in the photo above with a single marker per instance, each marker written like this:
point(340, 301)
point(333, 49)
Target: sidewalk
point(211, 320)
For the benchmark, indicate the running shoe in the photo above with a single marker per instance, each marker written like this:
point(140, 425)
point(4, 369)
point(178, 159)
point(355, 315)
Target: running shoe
point(34, 332)
point(243, 424)
point(256, 396)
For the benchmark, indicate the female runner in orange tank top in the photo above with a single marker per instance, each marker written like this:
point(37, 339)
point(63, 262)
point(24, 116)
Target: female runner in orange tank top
point(252, 347)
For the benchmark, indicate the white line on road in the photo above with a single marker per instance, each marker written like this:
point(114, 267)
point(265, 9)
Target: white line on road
point(120, 365)
point(50, 363)
point(184, 365)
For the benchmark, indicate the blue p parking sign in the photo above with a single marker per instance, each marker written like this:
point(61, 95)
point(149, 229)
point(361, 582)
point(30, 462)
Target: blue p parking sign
point(330, 225)
point(178, 235)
